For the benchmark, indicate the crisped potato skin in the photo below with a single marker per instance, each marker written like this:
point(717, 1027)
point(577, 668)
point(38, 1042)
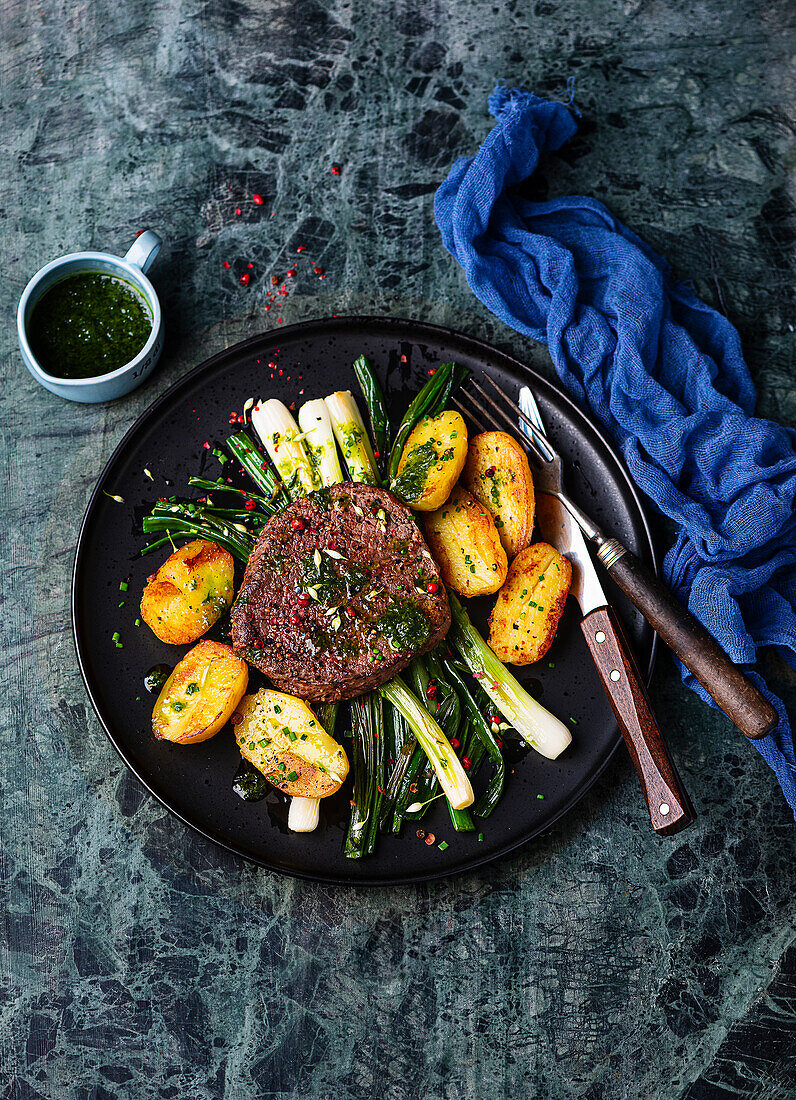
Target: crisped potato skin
point(432, 460)
point(200, 695)
point(281, 736)
point(466, 546)
point(189, 592)
point(498, 475)
point(530, 604)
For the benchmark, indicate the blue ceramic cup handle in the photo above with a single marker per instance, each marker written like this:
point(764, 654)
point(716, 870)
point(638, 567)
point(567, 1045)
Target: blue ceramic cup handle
point(145, 250)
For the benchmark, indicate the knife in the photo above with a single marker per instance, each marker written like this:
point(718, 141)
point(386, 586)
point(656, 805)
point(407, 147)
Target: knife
point(668, 803)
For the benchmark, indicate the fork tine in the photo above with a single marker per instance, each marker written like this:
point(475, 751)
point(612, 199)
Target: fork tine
point(539, 438)
point(479, 424)
point(489, 417)
point(530, 442)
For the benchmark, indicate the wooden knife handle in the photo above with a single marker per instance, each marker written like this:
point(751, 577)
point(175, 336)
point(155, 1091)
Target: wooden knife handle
point(684, 635)
point(669, 806)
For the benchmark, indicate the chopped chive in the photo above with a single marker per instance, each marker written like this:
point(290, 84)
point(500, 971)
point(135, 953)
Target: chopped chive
point(121, 604)
point(115, 636)
point(480, 837)
point(292, 777)
point(292, 735)
point(137, 622)
point(574, 721)
point(123, 586)
point(443, 844)
point(551, 664)
point(540, 796)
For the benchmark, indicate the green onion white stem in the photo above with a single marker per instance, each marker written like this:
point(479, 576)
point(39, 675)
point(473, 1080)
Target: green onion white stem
point(283, 441)
point(541, 729)
point(352, 437)
point(302, 816)
point(316, 424)
point(452, 776)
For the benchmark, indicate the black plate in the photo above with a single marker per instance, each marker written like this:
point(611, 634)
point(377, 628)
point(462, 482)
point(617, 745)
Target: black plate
point(196, 783)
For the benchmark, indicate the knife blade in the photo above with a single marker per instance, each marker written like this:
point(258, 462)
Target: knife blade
point(667, 801)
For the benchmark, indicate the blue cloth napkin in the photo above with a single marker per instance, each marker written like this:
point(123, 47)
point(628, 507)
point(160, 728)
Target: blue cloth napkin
point(662, 371)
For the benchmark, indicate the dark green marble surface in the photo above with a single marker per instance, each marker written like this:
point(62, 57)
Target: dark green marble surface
point(138, 961)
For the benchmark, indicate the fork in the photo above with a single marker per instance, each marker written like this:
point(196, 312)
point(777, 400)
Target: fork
point(701, 654)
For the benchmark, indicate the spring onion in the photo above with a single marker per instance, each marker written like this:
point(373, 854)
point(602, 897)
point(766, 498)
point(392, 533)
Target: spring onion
point(282, 439)
point(316, 424)
point(352, 437)
point(408, 758)
point(452, 776)
point(364, 768)
point(303, 814)
point(485, 742)
point(537, 726)
point(193, 521)
point(256, 466)
point(376, 406)
point(270, 504)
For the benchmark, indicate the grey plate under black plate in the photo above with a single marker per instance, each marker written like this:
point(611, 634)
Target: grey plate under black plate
point(195, 783)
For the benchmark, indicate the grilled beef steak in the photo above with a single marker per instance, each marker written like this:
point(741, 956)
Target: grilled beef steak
point(339, 594)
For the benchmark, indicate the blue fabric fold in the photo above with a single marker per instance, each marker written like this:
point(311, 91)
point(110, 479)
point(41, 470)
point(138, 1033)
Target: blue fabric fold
point(663, 373)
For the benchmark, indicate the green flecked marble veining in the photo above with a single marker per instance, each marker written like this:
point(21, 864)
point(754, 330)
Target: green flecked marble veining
point(139, 961)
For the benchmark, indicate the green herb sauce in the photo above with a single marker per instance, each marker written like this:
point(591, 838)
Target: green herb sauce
point(88, 325)
point(321, 498)
point(249, 784)
point(404, 625)
point(332, 579)
point(411, 481)
point(156, 678)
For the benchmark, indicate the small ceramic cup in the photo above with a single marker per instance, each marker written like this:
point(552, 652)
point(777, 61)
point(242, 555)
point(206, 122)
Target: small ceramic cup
point(132, 269)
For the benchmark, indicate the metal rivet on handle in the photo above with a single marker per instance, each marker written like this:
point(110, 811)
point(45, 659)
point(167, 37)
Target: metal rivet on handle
point(615, 674)
point(599, 636)
point(664, 808)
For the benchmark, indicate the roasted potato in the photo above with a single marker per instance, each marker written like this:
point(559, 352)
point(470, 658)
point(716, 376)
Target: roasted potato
point(466, 546)
point(189, 592)
point(283, 739)
point(433, 458)
point(498, 475)
point(530, 604)
point(200, 695)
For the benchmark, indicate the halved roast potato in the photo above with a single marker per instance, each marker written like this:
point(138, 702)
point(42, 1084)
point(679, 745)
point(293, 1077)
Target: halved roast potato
point(431, 462)
point(530, 604)
point(498, 475)
point(200, 695)
point(189, 592)
point(466, 546)
point(282, 737)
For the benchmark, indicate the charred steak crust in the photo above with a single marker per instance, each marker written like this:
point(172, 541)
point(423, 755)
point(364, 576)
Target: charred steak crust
point(340, 593)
